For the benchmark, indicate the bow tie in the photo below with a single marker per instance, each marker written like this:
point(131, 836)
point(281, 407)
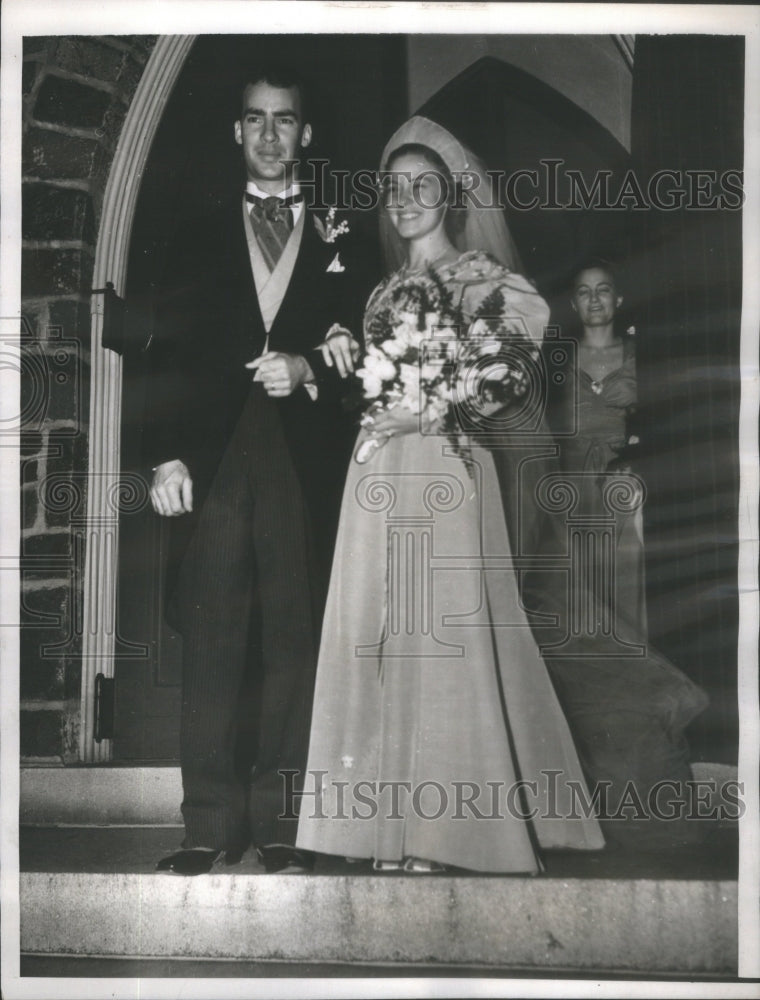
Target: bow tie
point(272, 207)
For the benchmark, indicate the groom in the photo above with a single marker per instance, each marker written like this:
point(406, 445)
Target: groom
point(251, 445)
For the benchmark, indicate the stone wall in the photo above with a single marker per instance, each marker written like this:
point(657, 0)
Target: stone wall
point(77, 91)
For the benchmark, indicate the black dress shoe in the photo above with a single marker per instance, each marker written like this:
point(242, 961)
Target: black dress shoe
point(233, 856)
point(281, 858)
point(190, 862)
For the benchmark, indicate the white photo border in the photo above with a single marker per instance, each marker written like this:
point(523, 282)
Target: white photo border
point(173, 17)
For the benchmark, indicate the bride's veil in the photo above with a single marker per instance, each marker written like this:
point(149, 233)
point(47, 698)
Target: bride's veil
point(485, 226)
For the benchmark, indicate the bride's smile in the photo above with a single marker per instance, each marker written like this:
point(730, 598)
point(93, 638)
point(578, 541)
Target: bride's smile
point(416, 198)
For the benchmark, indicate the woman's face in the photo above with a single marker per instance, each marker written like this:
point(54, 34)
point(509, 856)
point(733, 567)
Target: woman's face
point(414, 196)
point(595, 298)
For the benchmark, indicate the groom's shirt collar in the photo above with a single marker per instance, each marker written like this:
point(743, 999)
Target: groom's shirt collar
point(295, 188)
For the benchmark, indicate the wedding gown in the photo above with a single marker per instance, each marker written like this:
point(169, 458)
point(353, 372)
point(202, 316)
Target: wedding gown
point(436, 731)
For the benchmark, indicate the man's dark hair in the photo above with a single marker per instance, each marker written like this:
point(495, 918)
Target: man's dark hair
point(278, 74)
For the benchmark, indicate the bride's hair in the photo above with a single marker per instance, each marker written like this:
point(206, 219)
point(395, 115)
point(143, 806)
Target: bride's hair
point(451, 186)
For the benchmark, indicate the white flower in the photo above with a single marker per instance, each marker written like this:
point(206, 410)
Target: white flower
point(430, 371)
point(372, 384)
point(489, 347)
point(432, 321)
point(412, 401)
point(378, 365)
point(496, 372)
point(374, 354)
point(410, 375)
point(478, 329)
point(438, 406)
point(392, 348)
point(407, 335)
point(460, 390)
point(328, 231)
point(385, 369)
point(631, 331)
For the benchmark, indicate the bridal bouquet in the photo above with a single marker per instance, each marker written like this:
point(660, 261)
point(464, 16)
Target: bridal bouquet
point(416, 359)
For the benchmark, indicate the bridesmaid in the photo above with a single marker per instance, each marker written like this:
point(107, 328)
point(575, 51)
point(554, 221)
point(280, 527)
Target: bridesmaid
point(605, 401)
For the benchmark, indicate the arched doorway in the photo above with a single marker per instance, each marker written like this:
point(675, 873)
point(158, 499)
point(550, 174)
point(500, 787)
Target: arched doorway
point(528, 131)
point(98, 632)
point(185, 84)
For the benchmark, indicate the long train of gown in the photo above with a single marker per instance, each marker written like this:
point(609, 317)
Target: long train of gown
point(429, 680)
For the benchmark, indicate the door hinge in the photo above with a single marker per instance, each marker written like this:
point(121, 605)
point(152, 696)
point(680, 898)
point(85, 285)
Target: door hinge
point(113, 336)
point(104, 706)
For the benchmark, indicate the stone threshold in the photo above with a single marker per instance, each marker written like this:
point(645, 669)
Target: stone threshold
point(94, 892)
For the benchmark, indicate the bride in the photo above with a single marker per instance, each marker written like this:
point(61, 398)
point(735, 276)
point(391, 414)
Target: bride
point(437, 738)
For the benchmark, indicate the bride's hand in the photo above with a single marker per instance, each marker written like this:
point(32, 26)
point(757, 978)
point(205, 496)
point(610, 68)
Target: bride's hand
point(397, 420)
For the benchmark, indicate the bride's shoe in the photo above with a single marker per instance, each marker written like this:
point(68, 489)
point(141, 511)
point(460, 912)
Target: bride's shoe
point(420, 866)
point(386, 866)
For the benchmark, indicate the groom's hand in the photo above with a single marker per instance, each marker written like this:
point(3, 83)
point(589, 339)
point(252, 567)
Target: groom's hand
point(281, 374)
point(171, 492)
point(339, 349)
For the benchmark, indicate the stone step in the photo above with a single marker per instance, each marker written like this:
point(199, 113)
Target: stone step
point(100, 795)
point(93, 892)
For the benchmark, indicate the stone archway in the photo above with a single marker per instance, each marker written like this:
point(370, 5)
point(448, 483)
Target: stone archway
point(119, 201)
point(91, 106)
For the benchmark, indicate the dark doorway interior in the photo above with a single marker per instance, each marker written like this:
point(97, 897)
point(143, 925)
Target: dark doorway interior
point(515, 122)
point(357, 94)
point(681, 276)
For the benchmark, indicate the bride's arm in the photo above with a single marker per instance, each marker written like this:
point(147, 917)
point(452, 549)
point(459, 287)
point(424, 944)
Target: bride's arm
point(505, 319)
point(524, 311)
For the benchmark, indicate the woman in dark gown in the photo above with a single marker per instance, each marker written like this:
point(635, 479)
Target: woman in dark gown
point(602, 390)
point(627, 705)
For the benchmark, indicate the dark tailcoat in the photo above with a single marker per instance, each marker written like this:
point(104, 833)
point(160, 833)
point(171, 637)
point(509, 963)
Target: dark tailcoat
point(268, 476)
point(208, 326)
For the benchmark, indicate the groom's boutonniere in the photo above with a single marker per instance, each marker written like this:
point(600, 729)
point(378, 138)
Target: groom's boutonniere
point(327, 230)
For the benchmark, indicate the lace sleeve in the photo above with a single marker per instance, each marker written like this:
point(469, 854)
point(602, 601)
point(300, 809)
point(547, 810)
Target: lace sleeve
point(503, 320)
point(505, 301)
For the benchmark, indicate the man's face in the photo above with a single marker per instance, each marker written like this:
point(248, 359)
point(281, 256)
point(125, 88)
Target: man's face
point(271, 133)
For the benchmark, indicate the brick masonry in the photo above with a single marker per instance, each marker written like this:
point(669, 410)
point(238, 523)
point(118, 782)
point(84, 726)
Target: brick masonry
point(77, 92)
